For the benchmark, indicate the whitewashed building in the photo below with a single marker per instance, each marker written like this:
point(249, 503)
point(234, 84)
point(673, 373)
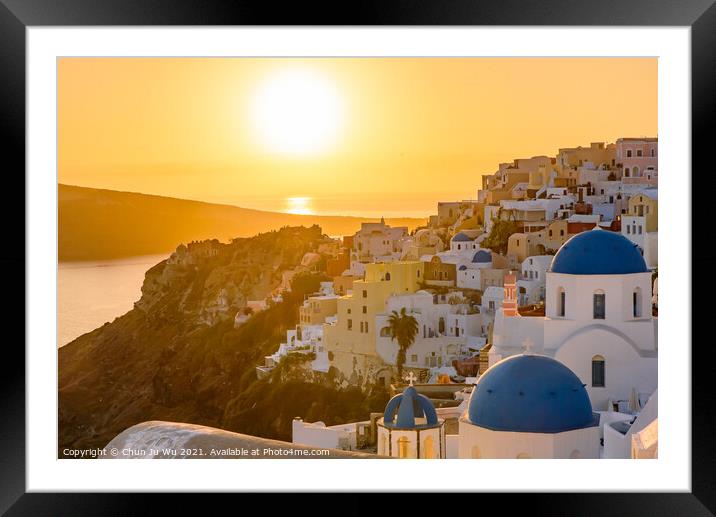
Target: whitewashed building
point(598, 318)
point(448, 329)
point(533, 278)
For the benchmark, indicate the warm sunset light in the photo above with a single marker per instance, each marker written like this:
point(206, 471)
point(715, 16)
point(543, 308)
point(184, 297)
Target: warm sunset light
point(349, 133)
point(297, 111)
point(298, 205)
point(417, 243)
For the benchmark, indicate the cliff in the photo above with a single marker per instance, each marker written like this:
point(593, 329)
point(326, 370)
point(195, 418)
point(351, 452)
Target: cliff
point(177, 356)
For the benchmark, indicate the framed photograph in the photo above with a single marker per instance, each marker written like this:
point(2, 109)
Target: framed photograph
point(431, 234)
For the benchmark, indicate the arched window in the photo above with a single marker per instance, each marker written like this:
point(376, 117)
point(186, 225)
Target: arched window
point(441, 325)
point(475, 452)
point(599, 305)
point(523, 456)
point(575, 455)
point(385, 332)
point(387, 276)
point(403, 444)
point(561, 302)
point(429, 448)
point(626, 172)
point(598, 371)
point(635, 172)
point(636, 303)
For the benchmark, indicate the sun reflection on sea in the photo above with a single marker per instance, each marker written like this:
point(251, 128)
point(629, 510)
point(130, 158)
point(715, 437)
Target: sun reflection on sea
point(299, 206)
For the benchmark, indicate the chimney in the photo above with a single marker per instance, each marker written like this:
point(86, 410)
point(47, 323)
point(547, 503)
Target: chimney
point(509, 304)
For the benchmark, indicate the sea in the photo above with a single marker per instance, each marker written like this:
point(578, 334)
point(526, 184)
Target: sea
point(91, 293)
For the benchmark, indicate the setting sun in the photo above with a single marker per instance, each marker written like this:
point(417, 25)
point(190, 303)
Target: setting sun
point(297, 111)
point(298, 205)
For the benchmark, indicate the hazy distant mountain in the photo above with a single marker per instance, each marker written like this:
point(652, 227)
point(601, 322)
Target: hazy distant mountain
point(103, 224)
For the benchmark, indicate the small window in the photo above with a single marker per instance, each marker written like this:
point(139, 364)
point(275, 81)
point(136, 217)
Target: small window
point(365, 293)
point(628, 230)
point(561, 304)
point(599, 306)
point(598, 371)
point(387, 276)
point(653, 152)
point(365, 310)
point(403, 444)
point(638, 153)
point(350, 324)
point(561, 233)
point(414, 358)
point(639, 229)
point(636, 303)
point(628, 153)
point(366, 327)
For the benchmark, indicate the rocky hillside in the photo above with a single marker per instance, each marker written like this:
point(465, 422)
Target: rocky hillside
point(177, 356)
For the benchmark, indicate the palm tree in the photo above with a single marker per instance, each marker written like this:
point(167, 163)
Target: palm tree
point(403, 328)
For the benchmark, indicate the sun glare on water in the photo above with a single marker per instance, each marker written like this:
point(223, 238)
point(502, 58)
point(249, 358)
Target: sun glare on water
point(297, 112)
point(299, 205)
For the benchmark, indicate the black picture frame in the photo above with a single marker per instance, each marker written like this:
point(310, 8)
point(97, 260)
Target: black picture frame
point(17, 15)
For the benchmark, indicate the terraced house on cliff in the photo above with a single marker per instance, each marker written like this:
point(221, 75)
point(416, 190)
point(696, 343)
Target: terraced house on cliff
point(351, 340)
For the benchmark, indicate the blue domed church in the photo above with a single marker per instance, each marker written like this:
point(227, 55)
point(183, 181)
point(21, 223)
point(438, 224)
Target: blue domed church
point(529, 406)
point(410, 427)
point(598, 319)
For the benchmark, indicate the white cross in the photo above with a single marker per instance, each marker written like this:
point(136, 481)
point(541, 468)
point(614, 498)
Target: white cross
point(410, 378)
point(527, 345)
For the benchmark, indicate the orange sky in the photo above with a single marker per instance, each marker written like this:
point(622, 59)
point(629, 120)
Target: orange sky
point(411, 131)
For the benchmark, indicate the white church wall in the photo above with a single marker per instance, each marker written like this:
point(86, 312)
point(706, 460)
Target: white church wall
point(580, 290)
point(452, 446)
point(624, 368)
point(478, 442)
point(489, 444)
point(577, 444)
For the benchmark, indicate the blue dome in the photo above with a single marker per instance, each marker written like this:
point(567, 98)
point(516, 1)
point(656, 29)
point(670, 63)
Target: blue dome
point(482, 257)
point(598, 252)
point(462, 237)
point(402, 410)
point(530, 394)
